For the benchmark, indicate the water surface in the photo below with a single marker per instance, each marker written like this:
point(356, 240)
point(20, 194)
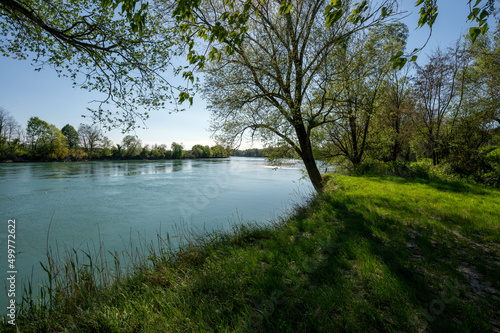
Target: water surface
point(75, 204)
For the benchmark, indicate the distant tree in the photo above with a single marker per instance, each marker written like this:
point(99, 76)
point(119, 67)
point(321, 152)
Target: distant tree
point(71, 136)
point(90, 136)
point(476, 115)
point(197, 151)
point(9, 135)
point(37, 132)
point(9, 127)
point(46, 140)
point(177, 150)
point(106, 145)
point(207, 152)
point(220, 151)
point(158, 151)
point(56, 147)
point(117, 152)
point(131, 146)
point(145, 152)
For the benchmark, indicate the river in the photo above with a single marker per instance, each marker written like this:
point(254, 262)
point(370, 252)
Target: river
point(71, 205)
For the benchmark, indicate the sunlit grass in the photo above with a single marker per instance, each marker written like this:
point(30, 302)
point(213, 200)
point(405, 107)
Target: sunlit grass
point(469, 209)
point(370, 254)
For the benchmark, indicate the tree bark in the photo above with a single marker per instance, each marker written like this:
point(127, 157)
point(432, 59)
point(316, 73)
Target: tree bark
point(308, 158)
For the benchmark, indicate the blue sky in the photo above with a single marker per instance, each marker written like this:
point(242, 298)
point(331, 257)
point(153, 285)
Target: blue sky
point(26, 93)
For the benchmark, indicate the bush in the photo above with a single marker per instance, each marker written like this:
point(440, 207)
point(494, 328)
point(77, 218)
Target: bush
point(393, 168)
point(490, 178)
point(490, 175)
point(493, 157)
point(370, 168)
point(422, 169)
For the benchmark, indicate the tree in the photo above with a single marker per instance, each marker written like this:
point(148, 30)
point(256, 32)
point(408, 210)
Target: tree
point(47, 141)
point(9, 134)
point(177, 150)
point(197, 151)
point(71, 136)
point(37, 132)
point(436, 85)
point(131, 146)
point(207, 151)
point(9, 127)
point(484, 75)
point(90, 136)
point(393, 126)
point(122, 47)
point(56, 147)
point(478, 113)
point(360, 68)
point(158, 151)
point(273, 85)
point(106, 145)
point(220, 152)
point(125, 56)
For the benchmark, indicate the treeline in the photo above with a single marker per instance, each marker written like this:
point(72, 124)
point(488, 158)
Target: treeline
point(42, 141)
point(269, 152)
point(443, 113)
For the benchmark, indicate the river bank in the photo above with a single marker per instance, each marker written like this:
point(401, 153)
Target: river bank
point(371, 253)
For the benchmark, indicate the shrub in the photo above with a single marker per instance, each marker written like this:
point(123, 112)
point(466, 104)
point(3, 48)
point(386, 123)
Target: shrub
point(423, 169)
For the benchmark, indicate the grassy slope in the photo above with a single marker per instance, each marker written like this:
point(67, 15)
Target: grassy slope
point(371, 254)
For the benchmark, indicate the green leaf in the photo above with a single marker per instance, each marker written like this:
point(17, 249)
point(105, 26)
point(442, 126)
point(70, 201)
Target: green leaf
point(483, 14)
point(399, 54)
point(398, 61)
point(333, 17)
point(474, 32)
point(284, 8)
point(384, 11)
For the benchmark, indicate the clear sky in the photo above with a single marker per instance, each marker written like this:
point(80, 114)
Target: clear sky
point(26, 93)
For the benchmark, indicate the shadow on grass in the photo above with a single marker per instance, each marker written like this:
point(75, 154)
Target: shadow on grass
point(337, 271)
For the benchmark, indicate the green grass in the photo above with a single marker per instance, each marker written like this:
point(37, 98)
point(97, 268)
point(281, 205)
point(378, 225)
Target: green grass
point(374, 254)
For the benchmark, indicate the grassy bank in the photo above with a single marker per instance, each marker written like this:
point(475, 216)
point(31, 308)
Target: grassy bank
point(370, 254)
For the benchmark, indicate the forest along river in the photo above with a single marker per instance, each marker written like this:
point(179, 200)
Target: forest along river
point(116, 203)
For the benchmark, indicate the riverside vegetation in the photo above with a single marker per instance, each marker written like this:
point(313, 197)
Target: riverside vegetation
point(382, 253)
point(42, 141)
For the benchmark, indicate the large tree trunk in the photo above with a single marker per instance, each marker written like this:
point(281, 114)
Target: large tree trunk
point(308, 158)
point(312, 171)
